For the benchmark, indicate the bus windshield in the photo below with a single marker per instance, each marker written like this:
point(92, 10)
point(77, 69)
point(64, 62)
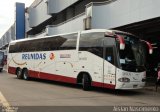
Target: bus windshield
point(132, 58)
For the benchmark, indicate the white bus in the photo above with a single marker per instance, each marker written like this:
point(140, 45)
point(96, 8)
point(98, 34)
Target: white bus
point(98, 57)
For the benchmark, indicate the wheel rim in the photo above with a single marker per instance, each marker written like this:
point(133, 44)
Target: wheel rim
point(83, 83)
point(19, 73)
point(25, 75)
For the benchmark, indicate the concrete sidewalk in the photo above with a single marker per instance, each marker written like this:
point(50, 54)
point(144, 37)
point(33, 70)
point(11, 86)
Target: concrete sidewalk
point(152, 88)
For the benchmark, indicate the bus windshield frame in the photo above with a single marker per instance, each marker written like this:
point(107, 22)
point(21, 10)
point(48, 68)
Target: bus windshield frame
point(133, 57)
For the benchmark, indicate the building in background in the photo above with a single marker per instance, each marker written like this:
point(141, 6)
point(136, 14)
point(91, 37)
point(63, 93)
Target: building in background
point(51, 17)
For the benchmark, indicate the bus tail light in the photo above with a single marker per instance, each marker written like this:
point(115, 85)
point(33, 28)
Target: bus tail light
point(124, 79)
point(149, 46)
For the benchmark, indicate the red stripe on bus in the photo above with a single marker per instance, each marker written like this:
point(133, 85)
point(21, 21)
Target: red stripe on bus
point(33, 74)
point(99, 84)
point(12, 70)
point(111, 86)
point(47, 76)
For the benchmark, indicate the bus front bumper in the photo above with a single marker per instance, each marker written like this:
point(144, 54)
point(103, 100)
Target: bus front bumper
point(130, 85)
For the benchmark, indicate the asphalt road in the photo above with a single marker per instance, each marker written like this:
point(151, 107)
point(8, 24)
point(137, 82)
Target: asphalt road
point(49, 93)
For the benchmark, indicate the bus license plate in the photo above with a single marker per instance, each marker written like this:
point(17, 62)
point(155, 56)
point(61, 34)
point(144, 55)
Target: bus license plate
point(135, 86)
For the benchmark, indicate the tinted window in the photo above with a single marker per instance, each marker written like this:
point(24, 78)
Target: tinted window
point(70, 42)
point(64, 42)
point(92, 42)
point(109, 56)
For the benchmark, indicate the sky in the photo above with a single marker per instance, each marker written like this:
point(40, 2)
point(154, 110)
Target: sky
point(7, 13)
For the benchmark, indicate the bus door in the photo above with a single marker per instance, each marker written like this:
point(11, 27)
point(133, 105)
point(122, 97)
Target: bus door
point(109, 67)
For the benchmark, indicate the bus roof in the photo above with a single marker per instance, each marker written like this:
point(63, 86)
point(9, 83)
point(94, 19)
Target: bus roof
point(82, 32)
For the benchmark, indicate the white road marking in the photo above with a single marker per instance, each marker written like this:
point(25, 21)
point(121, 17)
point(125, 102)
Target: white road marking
point(5, 104)
point(3, 100)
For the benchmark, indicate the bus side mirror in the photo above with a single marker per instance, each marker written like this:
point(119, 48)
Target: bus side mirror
point(149, 46)
point(120, 38)
point(121, 42)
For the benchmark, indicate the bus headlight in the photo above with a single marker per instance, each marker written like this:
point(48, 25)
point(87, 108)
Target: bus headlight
point(124, 79)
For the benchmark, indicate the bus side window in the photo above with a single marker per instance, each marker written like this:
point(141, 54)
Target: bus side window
point(49, 44)
point(109, 55)
point(96, 50)
point(69, 42)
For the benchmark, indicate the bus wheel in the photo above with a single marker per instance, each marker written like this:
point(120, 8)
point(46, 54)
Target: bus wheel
point(86, 82)
point(25, 74)
point(19, 73)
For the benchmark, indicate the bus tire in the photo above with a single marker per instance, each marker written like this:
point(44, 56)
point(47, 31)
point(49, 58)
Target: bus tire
point(86, 82)
point(19, 73)
point(25, 74)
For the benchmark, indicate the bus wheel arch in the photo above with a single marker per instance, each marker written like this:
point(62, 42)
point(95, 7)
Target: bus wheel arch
point(19, 73)
point(85, 79)
point(25, 74)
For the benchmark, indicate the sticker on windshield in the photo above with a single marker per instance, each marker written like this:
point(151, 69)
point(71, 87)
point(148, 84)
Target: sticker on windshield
point(109, 58)
point(122, 61)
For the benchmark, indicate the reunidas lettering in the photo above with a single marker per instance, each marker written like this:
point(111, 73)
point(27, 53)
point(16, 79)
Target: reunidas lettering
point(34, 56)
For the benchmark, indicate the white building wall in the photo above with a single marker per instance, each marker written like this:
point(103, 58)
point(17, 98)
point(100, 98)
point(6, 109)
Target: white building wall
point(4, 40)
point(27, 27)
point(1, 43)
point(8, 36)
point(123, 12)
point(73, 25)
point(35, 3)
point(38, 35)
point(13, 35)
point(55, 6)
point(38, 14)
